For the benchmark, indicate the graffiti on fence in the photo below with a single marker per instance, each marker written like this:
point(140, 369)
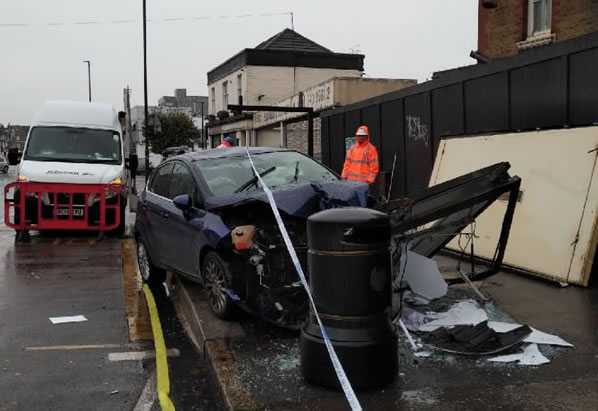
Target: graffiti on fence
point(417, 131)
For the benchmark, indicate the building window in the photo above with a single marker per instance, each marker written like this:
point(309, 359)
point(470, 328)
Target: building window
point(213, 101)
point(539, 17)
point(240, 88)
point(224, 95)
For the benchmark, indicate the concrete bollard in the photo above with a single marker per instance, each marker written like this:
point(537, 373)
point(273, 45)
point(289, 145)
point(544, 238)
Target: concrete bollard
point(350, 278)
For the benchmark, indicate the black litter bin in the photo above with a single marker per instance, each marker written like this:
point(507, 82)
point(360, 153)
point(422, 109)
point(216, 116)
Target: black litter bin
point(350, 278)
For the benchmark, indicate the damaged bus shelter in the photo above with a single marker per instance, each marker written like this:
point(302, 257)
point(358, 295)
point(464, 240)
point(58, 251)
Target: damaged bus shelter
point(430, 219)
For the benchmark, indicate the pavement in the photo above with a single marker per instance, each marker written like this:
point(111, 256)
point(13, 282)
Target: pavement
point(45, 366)
point(258, 367)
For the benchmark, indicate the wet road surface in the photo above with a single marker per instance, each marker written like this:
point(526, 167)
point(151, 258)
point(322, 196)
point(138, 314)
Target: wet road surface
point(45, 366)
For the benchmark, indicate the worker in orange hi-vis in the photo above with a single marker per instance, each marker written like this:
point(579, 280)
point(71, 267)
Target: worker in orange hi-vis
point(361, 163)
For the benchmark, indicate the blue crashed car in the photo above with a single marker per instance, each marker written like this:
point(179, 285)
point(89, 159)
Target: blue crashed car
point(205, 216)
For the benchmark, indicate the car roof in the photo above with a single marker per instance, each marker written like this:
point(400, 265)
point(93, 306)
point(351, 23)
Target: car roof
point(230, 152)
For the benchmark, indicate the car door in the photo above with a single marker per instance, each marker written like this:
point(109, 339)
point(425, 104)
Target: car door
point(156, 205)
point(183, 228)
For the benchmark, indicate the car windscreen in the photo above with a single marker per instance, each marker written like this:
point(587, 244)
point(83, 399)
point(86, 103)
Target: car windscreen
point(71, 144)
point(228, 175)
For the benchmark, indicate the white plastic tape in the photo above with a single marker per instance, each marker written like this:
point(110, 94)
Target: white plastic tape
point(338, 368)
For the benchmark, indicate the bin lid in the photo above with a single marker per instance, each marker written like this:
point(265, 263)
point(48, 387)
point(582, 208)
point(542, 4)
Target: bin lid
point(348, 229)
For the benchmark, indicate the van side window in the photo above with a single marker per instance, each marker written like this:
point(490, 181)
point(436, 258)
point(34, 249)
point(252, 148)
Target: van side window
point(160, 184)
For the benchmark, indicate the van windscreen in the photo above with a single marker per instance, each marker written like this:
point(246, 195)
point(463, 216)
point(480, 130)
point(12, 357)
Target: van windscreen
point(76, 145)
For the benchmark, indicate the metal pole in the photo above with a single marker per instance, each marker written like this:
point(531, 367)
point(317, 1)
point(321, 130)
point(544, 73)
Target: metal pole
point(310, 134)
point(88, 77)
point(203, 125)
point(146, 115)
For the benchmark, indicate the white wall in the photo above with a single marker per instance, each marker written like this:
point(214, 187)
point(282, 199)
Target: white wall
point(277, 83)
point(268, 138)
point(309, 77)
point(233, 95)
point(274, 83)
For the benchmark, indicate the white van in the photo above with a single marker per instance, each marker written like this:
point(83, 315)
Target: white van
point(77, 143)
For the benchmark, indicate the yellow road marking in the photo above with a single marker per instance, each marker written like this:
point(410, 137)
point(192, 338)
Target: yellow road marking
point(71, 347)
point(160, 348)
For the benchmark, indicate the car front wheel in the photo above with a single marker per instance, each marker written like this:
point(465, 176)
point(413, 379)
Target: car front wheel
point(149, 272)
point(215, 273)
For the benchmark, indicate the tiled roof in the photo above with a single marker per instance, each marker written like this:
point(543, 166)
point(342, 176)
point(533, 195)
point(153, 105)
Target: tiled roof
point(289, 40)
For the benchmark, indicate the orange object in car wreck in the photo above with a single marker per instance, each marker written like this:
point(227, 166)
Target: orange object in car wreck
point(243, 236)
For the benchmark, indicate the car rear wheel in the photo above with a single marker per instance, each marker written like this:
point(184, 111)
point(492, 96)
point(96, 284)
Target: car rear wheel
point(5, 170)
point(149, 272)
point(215, 273)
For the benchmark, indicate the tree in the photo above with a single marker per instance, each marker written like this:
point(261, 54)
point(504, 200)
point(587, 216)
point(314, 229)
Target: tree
point(176, 129)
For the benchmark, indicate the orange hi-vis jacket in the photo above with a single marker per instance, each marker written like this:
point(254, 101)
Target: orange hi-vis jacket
point(361, 163)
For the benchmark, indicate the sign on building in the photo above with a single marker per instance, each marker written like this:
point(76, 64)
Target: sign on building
point(318, 97)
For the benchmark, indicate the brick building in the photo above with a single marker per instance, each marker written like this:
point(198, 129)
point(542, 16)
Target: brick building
point(296, 136)
point(509, 27)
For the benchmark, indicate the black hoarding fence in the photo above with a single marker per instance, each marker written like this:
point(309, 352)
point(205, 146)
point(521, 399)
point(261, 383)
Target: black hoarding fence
point(553, 86)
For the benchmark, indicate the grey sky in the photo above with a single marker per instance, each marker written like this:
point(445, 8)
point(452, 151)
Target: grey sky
point(400, 39)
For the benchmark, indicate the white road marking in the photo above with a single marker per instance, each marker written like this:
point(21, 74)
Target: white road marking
point(140, 355)
point(71, 347)
point(148, 396)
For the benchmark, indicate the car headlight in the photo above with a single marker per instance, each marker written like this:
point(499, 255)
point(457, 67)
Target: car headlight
point(22, 178)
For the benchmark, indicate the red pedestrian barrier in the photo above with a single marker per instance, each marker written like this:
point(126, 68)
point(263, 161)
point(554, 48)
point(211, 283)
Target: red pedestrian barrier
point(57, 206)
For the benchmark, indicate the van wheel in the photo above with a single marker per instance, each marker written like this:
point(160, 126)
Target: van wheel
point(149, 272)
point(215, 272)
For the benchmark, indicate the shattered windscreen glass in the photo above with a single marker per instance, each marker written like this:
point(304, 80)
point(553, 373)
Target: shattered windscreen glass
point(226, 176)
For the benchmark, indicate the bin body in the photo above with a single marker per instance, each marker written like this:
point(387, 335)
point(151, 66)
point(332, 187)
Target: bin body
point(349, 266)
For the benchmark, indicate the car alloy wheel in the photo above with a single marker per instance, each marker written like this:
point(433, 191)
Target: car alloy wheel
point(215, 287)
point(144, 263)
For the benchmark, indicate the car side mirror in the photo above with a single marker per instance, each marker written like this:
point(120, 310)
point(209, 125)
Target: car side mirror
point(183, 202)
